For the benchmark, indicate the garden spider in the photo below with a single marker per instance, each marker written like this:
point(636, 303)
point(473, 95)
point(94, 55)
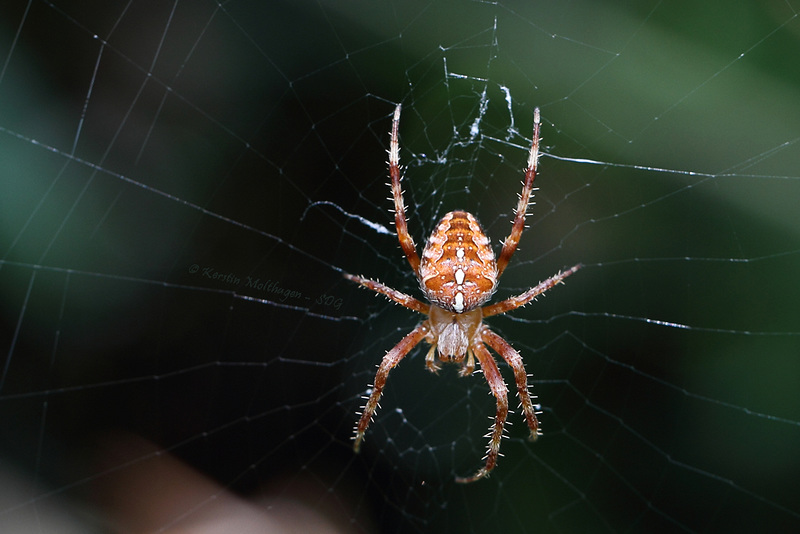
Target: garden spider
point(458, 274)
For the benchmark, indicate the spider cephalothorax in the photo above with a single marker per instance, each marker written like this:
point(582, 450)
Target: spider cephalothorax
point(458, 273)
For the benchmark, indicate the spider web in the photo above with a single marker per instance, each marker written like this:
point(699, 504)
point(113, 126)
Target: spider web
point(184, 183)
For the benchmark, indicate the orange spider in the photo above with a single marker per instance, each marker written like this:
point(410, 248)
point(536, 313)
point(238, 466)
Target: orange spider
point(458, 274)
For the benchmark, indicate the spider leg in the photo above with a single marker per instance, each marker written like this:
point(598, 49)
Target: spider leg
point(398, 296)
point(406, 241)
point(499, 390)
point(511, 242)
point(514, 360)
point(391, 359)
point(513, 303)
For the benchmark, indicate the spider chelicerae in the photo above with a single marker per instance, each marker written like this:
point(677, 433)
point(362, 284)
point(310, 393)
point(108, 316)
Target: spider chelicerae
point(458, 273)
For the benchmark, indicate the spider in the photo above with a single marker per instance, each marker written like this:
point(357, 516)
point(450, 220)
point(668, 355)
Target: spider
point(458, 274)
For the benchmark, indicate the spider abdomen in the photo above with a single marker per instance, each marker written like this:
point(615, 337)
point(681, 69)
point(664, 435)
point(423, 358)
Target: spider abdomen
point(458, 271)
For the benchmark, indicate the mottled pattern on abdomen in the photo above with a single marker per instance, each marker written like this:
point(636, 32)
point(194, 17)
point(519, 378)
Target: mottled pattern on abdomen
point(458, 271)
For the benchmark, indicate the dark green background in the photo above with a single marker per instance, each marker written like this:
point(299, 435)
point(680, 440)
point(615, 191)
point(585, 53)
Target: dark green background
point(245, 138)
